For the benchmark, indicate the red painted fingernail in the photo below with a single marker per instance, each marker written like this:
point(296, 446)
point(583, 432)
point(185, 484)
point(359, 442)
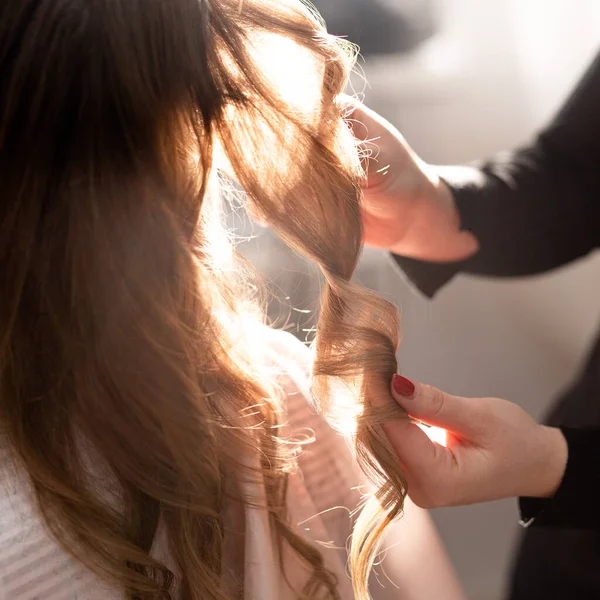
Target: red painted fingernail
point(402, 386)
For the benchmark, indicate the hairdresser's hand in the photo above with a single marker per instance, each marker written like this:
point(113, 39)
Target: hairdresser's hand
point(493, 449)
point(409, 210)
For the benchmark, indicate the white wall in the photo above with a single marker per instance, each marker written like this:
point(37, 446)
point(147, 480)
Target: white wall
point(503, 69)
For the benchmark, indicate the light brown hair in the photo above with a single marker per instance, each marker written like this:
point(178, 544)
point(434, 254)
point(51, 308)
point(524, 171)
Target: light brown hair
point(116, 326)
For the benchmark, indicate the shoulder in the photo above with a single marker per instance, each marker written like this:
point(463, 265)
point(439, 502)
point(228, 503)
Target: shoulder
point(32, 563)
point(327, 464)
point(290, 363)
point(288, 351)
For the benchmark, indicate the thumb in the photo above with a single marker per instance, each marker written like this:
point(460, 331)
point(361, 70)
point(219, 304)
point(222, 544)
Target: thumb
point(461, 416)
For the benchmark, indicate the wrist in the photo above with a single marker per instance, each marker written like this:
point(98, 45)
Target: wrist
point(552, 463)
point(441, 195)
point(445, 198)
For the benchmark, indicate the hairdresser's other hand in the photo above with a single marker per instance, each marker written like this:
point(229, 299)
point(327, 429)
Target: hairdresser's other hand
point(493, 449)
point(409, 210)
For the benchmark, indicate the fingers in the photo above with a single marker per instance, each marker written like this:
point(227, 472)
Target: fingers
point(464, 417)
point(416, 451)
point(461, 472)
point(366, 124)
point(433, 470)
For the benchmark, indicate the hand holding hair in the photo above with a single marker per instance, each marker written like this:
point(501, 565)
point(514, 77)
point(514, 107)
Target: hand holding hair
point(408, 209)
point(493, 450)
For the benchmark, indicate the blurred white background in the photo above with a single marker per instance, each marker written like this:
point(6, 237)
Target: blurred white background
point(494, 73)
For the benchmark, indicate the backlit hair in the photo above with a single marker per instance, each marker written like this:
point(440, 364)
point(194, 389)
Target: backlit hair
point(121, 336)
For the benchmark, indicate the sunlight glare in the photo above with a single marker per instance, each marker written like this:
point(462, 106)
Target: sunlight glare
point(435, 434)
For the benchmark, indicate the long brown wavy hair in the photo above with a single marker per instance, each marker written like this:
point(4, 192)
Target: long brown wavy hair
point(120, 335)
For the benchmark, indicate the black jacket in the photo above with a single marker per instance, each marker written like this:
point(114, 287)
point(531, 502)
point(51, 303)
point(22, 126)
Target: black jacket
point(534, 210)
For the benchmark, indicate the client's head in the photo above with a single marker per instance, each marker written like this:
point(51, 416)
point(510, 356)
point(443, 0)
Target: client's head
point(118, 330)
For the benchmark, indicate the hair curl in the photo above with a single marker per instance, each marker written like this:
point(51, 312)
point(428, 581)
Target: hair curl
point(119, 333)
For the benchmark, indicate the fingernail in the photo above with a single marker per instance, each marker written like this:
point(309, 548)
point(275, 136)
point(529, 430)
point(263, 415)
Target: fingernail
point(402, 386)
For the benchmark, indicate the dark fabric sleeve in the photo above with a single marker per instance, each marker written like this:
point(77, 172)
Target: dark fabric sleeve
point(575, 505)
point(534, 209)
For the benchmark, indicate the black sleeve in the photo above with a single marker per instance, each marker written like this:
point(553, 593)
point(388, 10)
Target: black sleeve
point(534, 209)
point(575, 505)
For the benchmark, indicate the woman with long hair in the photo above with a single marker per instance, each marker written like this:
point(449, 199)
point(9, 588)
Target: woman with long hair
point(156, 441)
